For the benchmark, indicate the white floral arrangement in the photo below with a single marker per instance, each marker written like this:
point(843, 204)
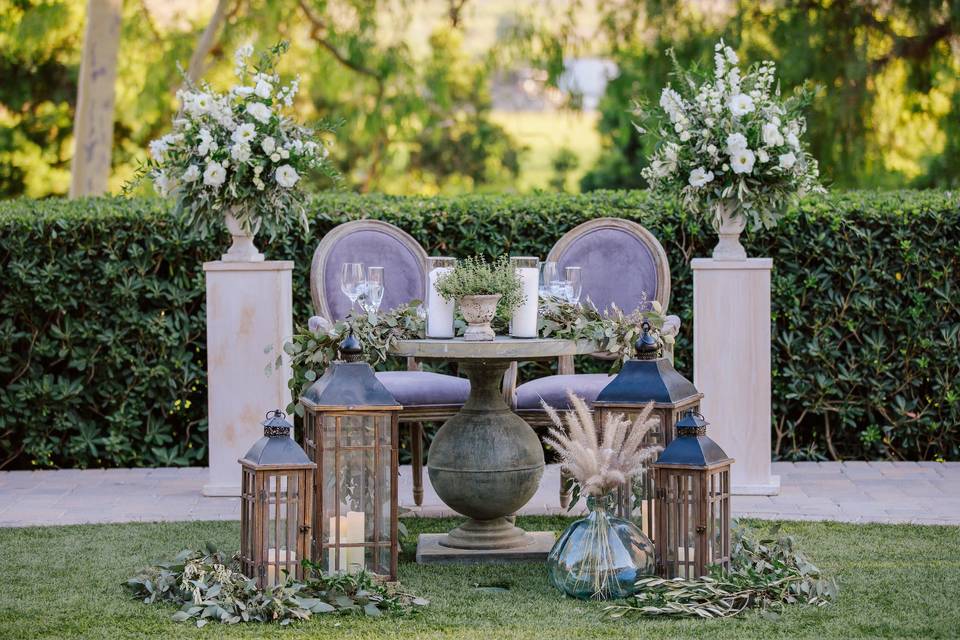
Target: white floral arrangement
point(240, 151)
point(730, 141)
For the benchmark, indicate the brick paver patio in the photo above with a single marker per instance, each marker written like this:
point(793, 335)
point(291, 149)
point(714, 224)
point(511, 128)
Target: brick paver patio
point(892, 492)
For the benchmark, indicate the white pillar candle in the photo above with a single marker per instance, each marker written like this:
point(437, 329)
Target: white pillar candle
point(355, 534)
point(281, 560)
point(439, 311)
point(523, 324)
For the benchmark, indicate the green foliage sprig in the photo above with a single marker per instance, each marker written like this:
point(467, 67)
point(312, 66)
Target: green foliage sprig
point(766, 573)
point(208, 586)
point(474, 276)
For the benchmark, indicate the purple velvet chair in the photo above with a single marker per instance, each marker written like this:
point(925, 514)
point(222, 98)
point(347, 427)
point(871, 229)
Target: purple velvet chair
point(621, 263)
point(425, 396)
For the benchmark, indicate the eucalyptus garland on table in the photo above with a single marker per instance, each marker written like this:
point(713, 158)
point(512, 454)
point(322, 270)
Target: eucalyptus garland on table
point(312, 348)
point(208, 586)
point(766, 573)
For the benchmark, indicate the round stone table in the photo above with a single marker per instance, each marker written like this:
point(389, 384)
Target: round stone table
point(486, 462)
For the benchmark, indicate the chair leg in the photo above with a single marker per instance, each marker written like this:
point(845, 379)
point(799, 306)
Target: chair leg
point(566, 489)
point(416, 452)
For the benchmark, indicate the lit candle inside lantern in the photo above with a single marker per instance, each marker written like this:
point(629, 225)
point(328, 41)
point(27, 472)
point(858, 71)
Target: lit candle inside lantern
point(276, 564)
point(439, 311)
point(351, 531)
point(523, 323)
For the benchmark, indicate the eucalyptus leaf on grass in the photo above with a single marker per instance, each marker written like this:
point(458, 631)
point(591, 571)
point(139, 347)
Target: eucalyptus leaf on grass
point(767, 573)
point(209, 586)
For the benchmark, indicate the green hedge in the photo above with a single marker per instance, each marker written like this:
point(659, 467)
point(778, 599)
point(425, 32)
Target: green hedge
point(102, 315)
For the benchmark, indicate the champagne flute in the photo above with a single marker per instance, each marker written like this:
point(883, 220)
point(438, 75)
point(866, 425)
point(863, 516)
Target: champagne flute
point(573, 284)
point(373, 293)
point(351, 281)
point(548, 275)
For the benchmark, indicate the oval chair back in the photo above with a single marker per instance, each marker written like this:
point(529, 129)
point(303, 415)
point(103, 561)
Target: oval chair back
point(376, 244)
point(621, 263)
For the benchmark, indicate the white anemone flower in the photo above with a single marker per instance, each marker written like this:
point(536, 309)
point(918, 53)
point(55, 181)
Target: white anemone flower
point(736, 142)
point(787, 160)
point(214, 175)
point(259, 111)
point(700, 177)
point(286, 176)
point(740, 105)
point(742, 161)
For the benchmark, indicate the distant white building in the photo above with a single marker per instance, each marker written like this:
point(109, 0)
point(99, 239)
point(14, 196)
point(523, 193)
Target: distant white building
point(582, 84)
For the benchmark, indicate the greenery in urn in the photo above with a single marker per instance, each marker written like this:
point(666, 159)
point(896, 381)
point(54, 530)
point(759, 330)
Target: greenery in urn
point(729, 140)
point(475, 276)
point(241, 151)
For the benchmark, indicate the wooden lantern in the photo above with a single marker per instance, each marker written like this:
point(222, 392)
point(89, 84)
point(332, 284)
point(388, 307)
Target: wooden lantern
point(350, 431)
point(649, 377)
point(692, 478)
point(276, 510)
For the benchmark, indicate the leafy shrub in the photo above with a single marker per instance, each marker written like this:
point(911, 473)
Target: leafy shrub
point(102, 316)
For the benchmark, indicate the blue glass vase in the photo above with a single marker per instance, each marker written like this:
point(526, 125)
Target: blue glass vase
point(600, 556)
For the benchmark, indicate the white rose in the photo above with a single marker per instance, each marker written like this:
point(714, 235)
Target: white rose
point(192, 174)
point(793, 140)
point(240, 152)
point(736, 142)
point(771, 135)
point(700, 177)
point(258, 169)
point(245, 133)
point(284, 154)
point(742, 161)
point(684, 136)
point(275, 157)
point(259, 111)
point(263, 89)
point(243, 92)
point(712, 149)
point(787, 160)
point(268, 145)
point(762, 155)
point(214, 175)
point(725, 167)
point(740, 105)
point(286, 176)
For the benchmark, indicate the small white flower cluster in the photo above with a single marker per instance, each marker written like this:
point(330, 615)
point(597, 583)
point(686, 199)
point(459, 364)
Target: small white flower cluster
point(731, 138)
point(236, 147)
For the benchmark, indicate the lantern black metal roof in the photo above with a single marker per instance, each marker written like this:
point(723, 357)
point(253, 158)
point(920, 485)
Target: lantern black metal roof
point(276, 447)
point(349, 382)
point(692, 447)
point(647, 377)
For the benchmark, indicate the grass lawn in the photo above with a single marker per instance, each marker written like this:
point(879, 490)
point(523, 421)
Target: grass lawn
point(65, 582)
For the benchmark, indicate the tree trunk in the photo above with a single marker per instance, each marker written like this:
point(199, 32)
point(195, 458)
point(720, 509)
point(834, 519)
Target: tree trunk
point(93, 117)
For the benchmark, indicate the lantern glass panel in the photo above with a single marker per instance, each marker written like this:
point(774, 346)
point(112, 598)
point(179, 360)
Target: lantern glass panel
point(281, 525)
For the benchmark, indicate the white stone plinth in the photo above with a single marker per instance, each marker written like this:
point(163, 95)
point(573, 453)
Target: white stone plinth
point(731, 364)
point(249, 306)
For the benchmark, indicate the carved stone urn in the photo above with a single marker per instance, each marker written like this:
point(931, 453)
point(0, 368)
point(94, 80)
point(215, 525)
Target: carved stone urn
point(729, 226)
point(478, 311)
point(242, 249)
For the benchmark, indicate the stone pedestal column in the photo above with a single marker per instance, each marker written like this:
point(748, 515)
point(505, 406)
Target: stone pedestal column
point(731, 364)
point(249, 306)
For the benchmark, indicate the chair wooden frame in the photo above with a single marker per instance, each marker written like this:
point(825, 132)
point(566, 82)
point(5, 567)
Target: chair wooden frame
point(414, 416)
point(538, 419)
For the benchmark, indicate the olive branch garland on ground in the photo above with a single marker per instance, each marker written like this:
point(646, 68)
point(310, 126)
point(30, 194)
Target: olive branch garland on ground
point(312, 348)
point(208, 586)
point(767, 573)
